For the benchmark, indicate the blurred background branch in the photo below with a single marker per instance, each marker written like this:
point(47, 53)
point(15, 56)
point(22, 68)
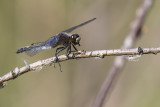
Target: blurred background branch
point(119, 62)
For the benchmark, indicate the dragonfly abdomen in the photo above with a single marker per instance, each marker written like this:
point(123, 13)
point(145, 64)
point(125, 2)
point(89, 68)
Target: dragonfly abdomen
point(22, 50)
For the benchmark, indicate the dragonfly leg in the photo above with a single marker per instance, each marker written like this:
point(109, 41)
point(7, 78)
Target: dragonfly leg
point(68, 50)
point(74, 51)
point(58, 50)
point(74, 47)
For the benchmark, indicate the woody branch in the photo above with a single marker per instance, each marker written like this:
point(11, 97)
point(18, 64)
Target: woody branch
point(80, 54)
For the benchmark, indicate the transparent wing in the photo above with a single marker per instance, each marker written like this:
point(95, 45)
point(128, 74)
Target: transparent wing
point(37, 44)
point(31, 52)
point(75, 27)
point(36, 47)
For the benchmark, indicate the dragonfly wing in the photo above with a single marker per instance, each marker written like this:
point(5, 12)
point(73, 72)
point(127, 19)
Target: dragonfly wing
point(37, 44)
point(34, 48)
point(53, 41)
point(75, 27)
point(31, 52)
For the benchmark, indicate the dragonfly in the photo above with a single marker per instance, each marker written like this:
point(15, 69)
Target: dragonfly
point(64, 39)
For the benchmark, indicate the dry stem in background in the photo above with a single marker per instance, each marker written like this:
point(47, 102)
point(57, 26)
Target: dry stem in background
point(119, 62)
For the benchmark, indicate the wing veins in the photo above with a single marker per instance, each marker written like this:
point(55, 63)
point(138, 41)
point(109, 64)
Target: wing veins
point(75, 27)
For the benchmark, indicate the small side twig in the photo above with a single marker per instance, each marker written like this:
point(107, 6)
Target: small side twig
point(80, 54)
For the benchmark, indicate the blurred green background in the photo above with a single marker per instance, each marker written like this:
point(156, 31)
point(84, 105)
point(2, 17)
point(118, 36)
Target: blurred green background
point(23, 22)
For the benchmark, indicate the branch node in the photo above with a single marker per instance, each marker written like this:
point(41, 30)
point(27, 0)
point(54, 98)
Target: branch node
point(140, 50)
point(3, 84)
point(101, 55)
point(15, 73)
point(155, 53)
point(27, 65)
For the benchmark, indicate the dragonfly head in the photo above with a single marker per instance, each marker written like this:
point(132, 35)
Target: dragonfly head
point(75, 39)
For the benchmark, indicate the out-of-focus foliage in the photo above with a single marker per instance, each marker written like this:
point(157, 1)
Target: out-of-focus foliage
point(23, 22)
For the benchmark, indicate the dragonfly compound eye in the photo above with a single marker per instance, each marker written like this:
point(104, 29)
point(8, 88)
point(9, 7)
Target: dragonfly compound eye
point(75, 38)
point(78, 39)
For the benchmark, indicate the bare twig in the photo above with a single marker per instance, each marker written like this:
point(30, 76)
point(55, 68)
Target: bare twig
point(80, 54)
point(119, 62)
